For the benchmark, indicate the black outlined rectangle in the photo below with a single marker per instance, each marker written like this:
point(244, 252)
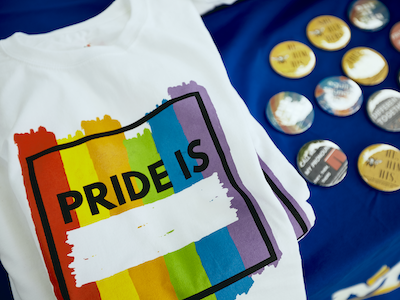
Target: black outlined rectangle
point(257, 220)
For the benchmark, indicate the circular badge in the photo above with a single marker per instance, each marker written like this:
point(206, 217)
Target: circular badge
point(398, 77)
point(328, 33)
point(290, 112)
point(322, 163)
point(383, 108)
point(379, 167)
point(292, 59)
point(395, 36)
point(339, 96)
point(365, 66)
point(368, 15)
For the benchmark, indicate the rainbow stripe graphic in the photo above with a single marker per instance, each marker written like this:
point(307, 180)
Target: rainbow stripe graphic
point(161, 215)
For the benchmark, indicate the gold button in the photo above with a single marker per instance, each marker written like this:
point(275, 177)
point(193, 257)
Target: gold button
point(365, 66)
point(292, 59)
point(328, 33)
point(379, 167)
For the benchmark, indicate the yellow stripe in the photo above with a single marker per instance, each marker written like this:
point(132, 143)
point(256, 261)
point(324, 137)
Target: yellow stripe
point(118, 287)
point(80, 171)
point(95, 162)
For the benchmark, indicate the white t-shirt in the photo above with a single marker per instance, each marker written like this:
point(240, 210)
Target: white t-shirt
point(131, 169)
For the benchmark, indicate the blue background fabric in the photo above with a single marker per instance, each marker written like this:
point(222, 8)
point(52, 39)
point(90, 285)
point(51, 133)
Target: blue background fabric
point(357, 230)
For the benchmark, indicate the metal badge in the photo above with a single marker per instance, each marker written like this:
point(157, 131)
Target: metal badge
point(398, 77)
point(383, 108)
point(322, 162)
point(379, 167)
point(290, 112)
point(339, 96)
point(292, 59)
point(365, 66)
point(395, 36)
point(368, 15)
point(328, 33)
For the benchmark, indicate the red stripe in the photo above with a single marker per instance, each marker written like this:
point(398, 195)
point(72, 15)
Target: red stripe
point(51, 180)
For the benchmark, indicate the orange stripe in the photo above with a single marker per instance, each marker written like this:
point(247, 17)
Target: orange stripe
point(152, 281)
point(110, 158)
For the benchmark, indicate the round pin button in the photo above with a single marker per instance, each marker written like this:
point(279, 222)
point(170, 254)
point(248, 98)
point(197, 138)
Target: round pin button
point(322, 162)
point(395, 36)
point(292, 59)
point(398, 77)
point(368, 15)
point(290, 112)
point(339, 96)
point(379, 167)
point(383, 108)
point(328, 33)
point(365, 66)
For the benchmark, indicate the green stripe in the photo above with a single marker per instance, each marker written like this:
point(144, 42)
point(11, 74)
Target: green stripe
point(142, 152)
point(187, 273)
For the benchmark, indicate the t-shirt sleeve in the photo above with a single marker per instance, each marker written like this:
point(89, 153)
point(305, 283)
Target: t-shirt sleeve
point(204, 6)
point(289, 187)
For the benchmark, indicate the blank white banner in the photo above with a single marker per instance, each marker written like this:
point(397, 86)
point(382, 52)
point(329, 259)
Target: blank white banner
point(145, 233)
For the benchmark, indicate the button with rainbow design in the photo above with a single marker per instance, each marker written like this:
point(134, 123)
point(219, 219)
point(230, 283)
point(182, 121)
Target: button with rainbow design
point(322, 162)
point(328, 32)
point(290, 112)
point(379, 167)
point(292, 59)
point(339, 96)
point(365, 66)
point(368, 15)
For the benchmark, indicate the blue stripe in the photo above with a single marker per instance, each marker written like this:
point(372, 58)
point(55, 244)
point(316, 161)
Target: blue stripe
point(221, 260)
point(169, 137)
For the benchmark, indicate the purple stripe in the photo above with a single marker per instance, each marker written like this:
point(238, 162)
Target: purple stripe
point(244, 232)
point(299, 232)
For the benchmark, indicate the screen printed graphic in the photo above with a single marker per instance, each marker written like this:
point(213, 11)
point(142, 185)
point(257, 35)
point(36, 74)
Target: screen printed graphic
point(160, 215)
